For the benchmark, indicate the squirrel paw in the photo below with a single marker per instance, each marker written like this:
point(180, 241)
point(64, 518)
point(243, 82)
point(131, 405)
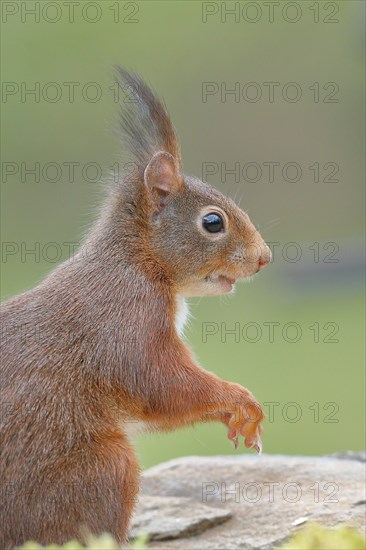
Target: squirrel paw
point(249, 427)
point(251, 442)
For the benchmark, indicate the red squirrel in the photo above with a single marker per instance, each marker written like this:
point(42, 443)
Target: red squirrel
point(95, 347)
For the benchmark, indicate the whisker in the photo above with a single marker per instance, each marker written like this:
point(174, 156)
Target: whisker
point(272, 223)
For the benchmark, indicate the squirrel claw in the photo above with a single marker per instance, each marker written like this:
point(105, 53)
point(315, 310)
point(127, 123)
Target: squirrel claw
point(233, 436)
point(249, 430)
point(254, 444)
point(257, 445)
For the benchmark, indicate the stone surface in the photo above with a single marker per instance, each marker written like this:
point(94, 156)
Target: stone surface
point(351, 455)
point(182, 517)
point(247, 501)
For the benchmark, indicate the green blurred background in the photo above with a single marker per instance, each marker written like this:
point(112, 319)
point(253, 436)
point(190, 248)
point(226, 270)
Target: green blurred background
point(171, 46)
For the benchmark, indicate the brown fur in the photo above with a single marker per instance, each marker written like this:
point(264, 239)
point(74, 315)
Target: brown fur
point(94, 347)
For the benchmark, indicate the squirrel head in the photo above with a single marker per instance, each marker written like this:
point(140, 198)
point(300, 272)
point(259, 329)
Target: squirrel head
point(201, 239)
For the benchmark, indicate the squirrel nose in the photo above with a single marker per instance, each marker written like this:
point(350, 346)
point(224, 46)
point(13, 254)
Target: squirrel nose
point(264, 258)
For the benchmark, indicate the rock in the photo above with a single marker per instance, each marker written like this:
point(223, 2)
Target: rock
point(351, 455)
point(246, 501)
point(182, 517)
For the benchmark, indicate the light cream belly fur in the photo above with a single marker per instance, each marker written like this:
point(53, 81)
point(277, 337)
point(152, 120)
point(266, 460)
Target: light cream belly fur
point(182, 315)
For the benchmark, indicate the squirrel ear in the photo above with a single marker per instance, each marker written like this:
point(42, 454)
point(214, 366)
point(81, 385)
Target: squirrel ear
point(162, 177)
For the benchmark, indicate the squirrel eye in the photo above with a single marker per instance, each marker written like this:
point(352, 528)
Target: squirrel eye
point(213, 223)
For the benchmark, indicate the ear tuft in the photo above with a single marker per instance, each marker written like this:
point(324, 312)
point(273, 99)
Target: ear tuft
point(162, 178)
